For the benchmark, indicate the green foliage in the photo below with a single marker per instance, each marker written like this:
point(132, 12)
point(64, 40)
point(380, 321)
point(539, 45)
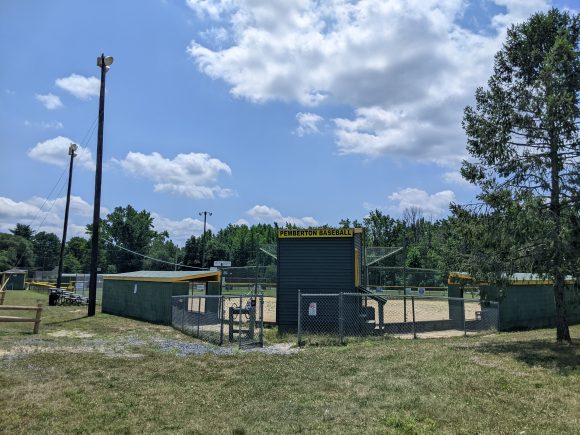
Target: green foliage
point(79, 248)
point(132, 230)
point(24, 231)
point(70, 264)
point(15, 251)
point(46, 248)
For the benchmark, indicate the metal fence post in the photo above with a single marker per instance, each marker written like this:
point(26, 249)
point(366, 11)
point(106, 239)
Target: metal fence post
point(464, 325)
point(341, 317)
point(198, 314)
point(222, 306)
point(183, 315)
point(404, 308)
point(262, 320)
point(299, 332)
point(413, 308)
point(240, 324)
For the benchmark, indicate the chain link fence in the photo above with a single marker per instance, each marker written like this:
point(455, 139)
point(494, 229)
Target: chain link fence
point(221, 319)
point(334, 317)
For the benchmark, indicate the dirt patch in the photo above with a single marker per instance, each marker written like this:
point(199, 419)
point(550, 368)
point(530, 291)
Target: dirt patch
point(72, 333)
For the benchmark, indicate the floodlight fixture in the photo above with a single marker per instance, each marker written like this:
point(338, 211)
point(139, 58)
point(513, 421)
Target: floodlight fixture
point(72, 149)
point(108, 60)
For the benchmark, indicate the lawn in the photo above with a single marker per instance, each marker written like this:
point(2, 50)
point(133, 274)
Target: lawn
point(110, 374)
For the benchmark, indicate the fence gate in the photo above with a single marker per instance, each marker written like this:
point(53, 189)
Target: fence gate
point(221, 319)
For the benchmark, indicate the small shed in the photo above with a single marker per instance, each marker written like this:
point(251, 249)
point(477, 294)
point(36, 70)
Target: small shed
point(146, 295)
point(13, 279)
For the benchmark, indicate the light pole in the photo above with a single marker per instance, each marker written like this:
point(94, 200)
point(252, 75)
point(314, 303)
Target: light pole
point(71, 152)
point(104, 63)
point(204, 213)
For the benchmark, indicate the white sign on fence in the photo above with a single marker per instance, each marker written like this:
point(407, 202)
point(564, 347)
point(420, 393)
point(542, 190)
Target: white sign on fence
point(408, 291)
point(222, 263)
point(312, 309)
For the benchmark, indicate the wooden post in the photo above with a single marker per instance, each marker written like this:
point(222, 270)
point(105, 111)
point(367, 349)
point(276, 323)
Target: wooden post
point(2, 296)
point(37, 319)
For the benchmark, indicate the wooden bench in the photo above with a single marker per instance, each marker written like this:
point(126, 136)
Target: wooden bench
point(35, 319)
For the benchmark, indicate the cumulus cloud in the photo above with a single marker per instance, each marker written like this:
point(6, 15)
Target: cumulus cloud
point(454, 177)
point(57, 125)
point(55, 152)
point(435, 204)
point(263, 213)
point(80, 86)
point(47, 215)
point(242, 222)
point(406, 68)
point(49, 101)
point(179, 230)
point(307, 123)
point(192, 175)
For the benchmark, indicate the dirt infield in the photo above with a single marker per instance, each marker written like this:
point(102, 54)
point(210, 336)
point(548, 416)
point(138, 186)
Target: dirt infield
point(425, 309)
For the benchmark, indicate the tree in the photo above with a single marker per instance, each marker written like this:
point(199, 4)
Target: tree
point(46, 250)
point(133, 231)
point(23, 231)
point(524, 142)
point(162, 249)
point(15, 251)
point(80, 249)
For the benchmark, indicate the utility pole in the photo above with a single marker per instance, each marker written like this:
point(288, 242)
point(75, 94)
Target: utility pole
point(204, 213)
point(71, 152)
point(104, 63)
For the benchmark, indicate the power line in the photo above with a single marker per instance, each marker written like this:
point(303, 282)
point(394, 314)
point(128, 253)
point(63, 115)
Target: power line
point(112, 243)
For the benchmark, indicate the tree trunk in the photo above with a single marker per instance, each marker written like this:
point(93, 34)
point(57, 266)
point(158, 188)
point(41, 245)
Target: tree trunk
point(562, 330)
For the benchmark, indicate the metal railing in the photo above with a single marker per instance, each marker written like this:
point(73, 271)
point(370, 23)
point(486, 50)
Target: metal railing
point(334, 317)
point(221, 319)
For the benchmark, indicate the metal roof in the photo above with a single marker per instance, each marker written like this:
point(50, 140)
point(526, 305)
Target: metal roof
point(15, 271)
point(164, 275)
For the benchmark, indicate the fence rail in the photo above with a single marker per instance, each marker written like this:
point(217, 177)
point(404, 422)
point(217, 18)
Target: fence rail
point(338, 316)
point(35, 319)
point(221, 319)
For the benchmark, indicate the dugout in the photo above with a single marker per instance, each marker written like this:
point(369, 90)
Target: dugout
point(13, 279)
point(323, 260)
point(146, 295)
point(526, 300)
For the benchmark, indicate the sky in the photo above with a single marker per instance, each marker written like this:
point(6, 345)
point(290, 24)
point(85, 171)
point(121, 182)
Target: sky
point(304, 112)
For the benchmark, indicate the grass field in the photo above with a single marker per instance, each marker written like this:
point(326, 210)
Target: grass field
point(110, 374)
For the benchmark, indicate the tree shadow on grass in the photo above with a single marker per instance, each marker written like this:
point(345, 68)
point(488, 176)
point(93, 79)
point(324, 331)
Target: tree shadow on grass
point(561, 357)
point(61, 322)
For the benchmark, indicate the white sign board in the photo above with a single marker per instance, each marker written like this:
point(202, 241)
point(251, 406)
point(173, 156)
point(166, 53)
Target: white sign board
point(408, 291)
point(422, 291)
point(312, 309)
point(222, 263)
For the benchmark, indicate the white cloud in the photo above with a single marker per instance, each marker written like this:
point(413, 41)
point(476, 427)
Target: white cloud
point(242, 222)
point(455, 178)
point(47, 215)
point(80, 86)
point(57, 125)
point(49, 101)
point(192, 175)
point(307, 123)
point(263, 213)
point(55, 152)
point(435, 204)
point(407, 68)
point(179, 230)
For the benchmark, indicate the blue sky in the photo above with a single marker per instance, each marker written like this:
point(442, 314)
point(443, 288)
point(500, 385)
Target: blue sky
point(258, 111)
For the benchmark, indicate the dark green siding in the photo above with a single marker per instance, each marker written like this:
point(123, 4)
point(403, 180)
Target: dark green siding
point(312, 265)
point(16, 281)
point(150, 301)
point(531, 306)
